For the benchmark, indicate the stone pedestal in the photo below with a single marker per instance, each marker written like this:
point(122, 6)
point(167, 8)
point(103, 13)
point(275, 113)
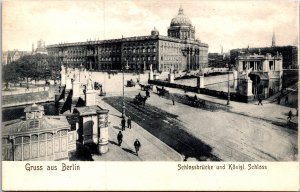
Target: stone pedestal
point(151, 75)
point(76, 88)
point(68, 83)
point(171, 78)
point(235, 75)
point(235, 84)
point(249, 87)
point(200, 82)
point(90, 98)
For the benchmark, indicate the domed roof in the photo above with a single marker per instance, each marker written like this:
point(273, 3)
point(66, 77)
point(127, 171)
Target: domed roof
point(181, 19)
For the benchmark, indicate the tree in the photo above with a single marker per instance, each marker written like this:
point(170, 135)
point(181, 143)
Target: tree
point(37, 67)
point(26, 68)
point(9, 74)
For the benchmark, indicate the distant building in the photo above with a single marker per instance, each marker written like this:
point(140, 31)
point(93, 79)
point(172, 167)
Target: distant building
point(38, 137)
point(265, 66)
point(180, 50)
point(41, 47)
point(10, 56)
point(289, 54)
point(218, 60)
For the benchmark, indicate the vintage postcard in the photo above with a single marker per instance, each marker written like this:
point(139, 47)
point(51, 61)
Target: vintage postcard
point(150, 95)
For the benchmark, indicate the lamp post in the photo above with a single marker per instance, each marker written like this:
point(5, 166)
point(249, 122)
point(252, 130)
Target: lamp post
point(123, 106)
point(228, 96)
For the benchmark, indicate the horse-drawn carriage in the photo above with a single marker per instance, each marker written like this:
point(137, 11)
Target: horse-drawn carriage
point(146, 87)
point(161, 91)
point(140, 100)
point(130, 83)
point(194, 101)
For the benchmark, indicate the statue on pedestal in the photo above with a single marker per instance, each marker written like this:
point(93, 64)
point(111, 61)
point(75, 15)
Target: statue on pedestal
point(90, 84)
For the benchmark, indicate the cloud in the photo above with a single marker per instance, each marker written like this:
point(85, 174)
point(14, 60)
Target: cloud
point(232, 24)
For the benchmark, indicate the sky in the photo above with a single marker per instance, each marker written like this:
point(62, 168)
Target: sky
point(228, 24)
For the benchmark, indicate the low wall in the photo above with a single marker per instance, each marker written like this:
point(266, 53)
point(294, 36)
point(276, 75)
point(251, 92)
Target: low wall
point(25, 98)
point(219, 94)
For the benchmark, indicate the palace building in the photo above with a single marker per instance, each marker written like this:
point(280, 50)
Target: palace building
point(179, 50)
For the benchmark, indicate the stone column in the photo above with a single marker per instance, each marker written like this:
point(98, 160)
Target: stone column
point(76, 88)
point(249, 87)
point(102, 131)
point(171, 76)
point(151, 73)
point(235, 74)
point(200, 81)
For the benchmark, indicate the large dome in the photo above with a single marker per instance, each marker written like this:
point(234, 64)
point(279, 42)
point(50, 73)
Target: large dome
point(181, 19)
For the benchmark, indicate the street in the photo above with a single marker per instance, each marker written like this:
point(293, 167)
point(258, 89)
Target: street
point(200, 134)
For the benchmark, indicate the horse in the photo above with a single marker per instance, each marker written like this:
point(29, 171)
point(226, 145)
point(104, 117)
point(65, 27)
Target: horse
point(140, 99)
point(142, 86)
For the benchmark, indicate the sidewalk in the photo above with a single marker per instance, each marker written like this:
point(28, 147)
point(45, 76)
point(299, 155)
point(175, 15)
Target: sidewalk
point(269, 111)
point(152, 149)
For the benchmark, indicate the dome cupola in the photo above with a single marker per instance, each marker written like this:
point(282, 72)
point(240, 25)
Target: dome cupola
point(181, 27)
point(181, 19)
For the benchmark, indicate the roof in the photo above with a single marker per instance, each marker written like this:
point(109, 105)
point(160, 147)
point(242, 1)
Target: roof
point(34, 107)
point(181, 19)
point(89, 110)
point(47, 123)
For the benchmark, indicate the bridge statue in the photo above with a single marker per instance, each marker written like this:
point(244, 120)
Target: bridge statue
point(90, 84)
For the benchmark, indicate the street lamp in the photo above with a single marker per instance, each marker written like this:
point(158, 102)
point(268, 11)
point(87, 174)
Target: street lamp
point(123, 106)
point(228, 95)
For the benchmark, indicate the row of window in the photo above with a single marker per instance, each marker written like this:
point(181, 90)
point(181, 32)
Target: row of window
point(141, 50)
point(153, 58)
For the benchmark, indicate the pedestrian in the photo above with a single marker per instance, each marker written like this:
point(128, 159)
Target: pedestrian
point(290, 115)
point(195, 97)
point(278, 101)
point(147, 93)
point(259, 101)
point(137, 146)
point(286, 99)
point(120, 138)
point(173, 100)
point(123, 122)
point(129, 122)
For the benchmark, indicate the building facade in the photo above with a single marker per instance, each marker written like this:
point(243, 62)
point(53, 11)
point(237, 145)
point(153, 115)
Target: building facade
point(179, 50)
point(10, 56)
point(218, 60)
point(265, 66)
point(289, 54)
point(39, 137)
point(41, 47)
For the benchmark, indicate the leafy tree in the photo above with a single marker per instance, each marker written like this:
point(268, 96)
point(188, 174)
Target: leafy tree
point(9, 74)
point(37, 67)
point(26, 68)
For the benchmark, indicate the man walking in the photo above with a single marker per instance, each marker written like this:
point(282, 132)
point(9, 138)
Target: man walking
point(290, 115)
point(286, 99)
point(137, 146)
point(129, 122)
point(123, 122)
point(278, 101)
point(120, 138)
point(173, 100)
point(259, 101)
